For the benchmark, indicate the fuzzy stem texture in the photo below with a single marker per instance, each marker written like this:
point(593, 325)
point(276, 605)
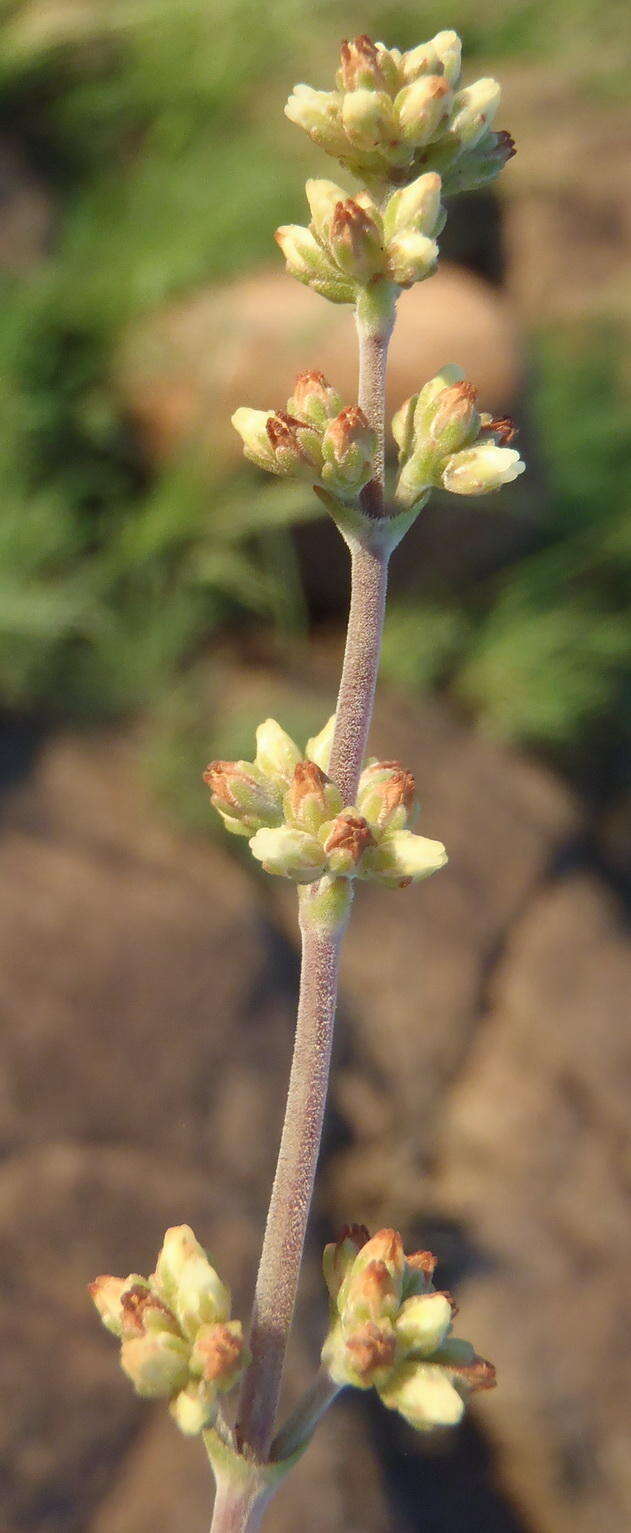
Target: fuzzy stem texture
point(290, 1202)
point(239, 1505)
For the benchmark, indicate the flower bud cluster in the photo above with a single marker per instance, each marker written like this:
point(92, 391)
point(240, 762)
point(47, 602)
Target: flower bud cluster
point(444, 440)
point(391, 1329)
point(298, 826)
point(349, 243)
point(177, 1338)
point(394, 114)
point(313, 439)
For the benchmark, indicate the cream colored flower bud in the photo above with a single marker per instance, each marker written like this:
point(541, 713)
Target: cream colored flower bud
point(355, 241)
point(386, 795)
point(415, 208)
point(368, 118)
point(339, 1255)
point(319, 113)
point(277, 755)
point(308, 262)
point(313, 399)
point(474, 110)
point(402, 857)
point(348, 838)
point(252, 428)
point(448, 47)
point(194, 1409)
point(243, 796)
point(423, 1394)
point(479, 470)
point(156, 1363)
point(423, 1322)
point(319, 746)
point(422, 109)
point(311, 798)
point(384, 1249)
point(218, 1354)
point(349, 445)
point(411, 257)
point(290, 853)
point(323, 197)
point(191, 1287)
point(106, 1293)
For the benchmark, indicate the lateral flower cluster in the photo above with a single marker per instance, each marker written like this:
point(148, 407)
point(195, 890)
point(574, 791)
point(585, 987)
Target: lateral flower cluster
point(177, 1339)
point(350, 243)
point(313, 439)
point(391, 1329)
point(394, 114)
point(296, 823)
point(444, 441)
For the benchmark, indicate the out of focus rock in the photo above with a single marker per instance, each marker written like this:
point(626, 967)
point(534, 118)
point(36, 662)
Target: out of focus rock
point(535, 1157)
point(184, 371)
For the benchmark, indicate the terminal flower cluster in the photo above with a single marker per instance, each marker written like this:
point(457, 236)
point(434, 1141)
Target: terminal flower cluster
point(391, 1329)
point(177, 1339)
point(298, 826)
point(444, 441)
point(350, 242)
point(313, 439)
point(394, 114)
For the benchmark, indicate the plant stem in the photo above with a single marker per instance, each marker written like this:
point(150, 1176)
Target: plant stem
point(239, 1505)
point(290, 1202)
point(283, 1244)
point(304, 1419)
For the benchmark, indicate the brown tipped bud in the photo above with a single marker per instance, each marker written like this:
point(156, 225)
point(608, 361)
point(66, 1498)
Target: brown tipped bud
point(355, 240)
point(505, 146)
point(387, 793)
point(503, 430)
point(218, 1352)
point(339, 1255)
point(386, 1246)
point(454, 422)
point(312, 798)
point(371, 1349)
point(423, 1261)
point(349, 837)
point(359, 64)
point(478, 1374)
point(295, 445)
point(313, 399)
point(142, 1310)
point(243, 796)
point(348, 448)
point(374, 1291)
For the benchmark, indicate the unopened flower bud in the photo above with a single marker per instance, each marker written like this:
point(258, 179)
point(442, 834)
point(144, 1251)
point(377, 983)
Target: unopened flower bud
point(143, 1311)
point(191, 1287)
point(323, 197)
point(355, 241)
point(319, 746)
point(372, 1292)
point(364, 63)
point(311, 798)
point(243, 797)
point(402, 857)
point(313, 399)
point(252, 428)
point(422, 109)
point(423, 1394)
point(386, 794)
point(156, 1363)
point(370, 1352)
point(479, 166)
point(415, 208)
point(193, 1409)
point(348, 838)
point(340, 1254)
point(308, 262)
point(290, 853)
point(218, 1354)
point(479, 470)
point(106, 1293)
point(349, 445)
point(411, 257)
point(423, 1322)
point(295, 446)
point(277, 755)
point(455, 420)
point(319, 113)
point(474, 110)
point(368, 118)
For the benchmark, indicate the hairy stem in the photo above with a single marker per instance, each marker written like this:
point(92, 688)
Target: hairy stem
point(239, 1505)
point(283, 1244)
point(290, 1202)
point(304, 1419)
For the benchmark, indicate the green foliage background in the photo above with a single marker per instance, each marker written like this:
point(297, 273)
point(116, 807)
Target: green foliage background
point(154, 124)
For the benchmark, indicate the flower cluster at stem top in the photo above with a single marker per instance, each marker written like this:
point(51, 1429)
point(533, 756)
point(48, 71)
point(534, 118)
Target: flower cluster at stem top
point(296, 823)
point(177, 1338)
point(391, 1329)
point(395, 114)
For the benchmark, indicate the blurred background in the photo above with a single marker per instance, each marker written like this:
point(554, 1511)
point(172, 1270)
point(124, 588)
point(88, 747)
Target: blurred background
point(156, 600)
